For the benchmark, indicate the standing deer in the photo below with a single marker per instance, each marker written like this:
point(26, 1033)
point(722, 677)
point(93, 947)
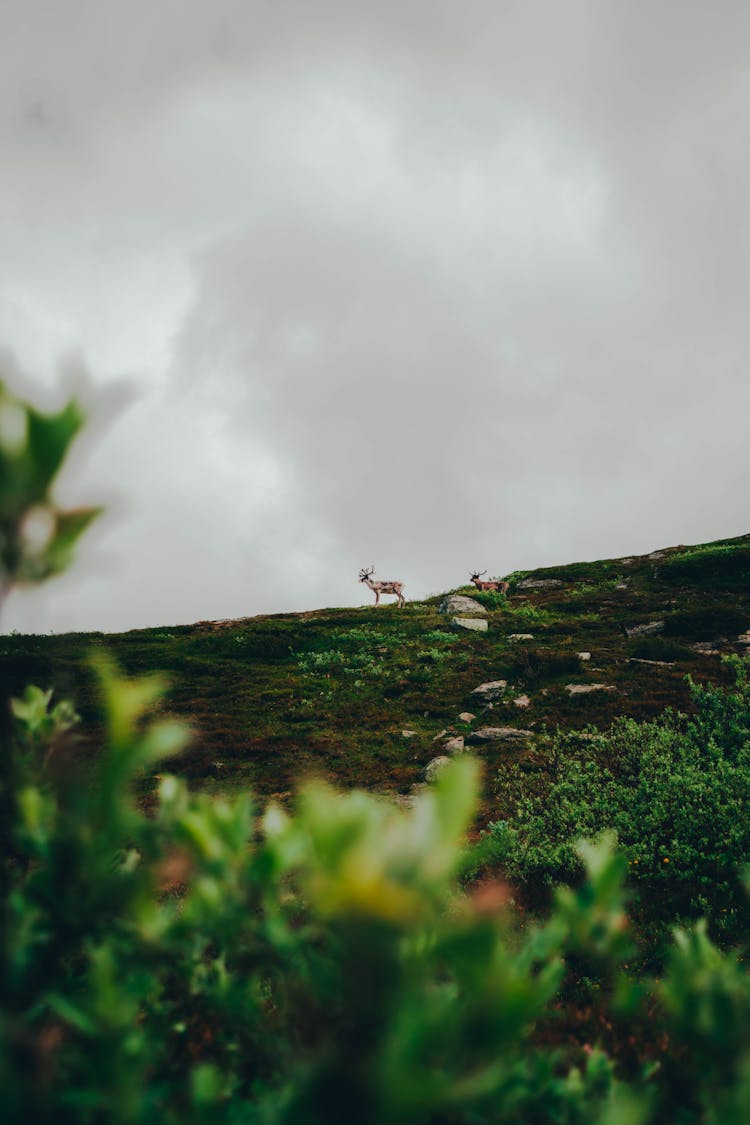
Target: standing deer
point(378, 588)
point(490, 584)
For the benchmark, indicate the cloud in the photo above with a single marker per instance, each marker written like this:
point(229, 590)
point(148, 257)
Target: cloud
point(425, 286)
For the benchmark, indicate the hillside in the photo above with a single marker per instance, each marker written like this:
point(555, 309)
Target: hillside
point(369, 697)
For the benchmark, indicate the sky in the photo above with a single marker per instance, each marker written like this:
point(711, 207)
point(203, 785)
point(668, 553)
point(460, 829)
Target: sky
point(420, 285)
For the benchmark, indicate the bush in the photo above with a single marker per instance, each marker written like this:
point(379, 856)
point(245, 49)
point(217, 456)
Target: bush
point(675, 790)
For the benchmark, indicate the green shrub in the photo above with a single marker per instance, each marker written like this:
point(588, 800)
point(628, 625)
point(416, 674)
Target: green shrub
point(491, 599)
point(658, 648)
point(706, 623)
point(724, 566)
point(675, 790)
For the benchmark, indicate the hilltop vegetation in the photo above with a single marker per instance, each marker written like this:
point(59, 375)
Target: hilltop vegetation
point(331, 692)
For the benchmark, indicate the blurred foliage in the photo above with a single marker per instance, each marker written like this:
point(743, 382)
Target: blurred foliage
point(37, 538)
point(212, 963)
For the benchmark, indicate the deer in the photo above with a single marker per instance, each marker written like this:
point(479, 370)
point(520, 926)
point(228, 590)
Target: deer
point(498, 584)
point(378, 587)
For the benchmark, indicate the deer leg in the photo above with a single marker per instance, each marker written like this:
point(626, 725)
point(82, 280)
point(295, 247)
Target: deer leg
point(377, 598)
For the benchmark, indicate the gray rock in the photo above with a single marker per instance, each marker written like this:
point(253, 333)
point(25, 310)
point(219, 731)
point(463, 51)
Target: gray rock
point(499, 734)
point(433, 768)
point(408, 734)
point(645, 630)
point(520, 636)
point(493, 689)
point(583, 655)
point(627, 562)
point(653, 663)
point(657, 555)
point(466, 717)
point(586, 689)
point(744, 639)
point(454, 746)
point(457, 603)
point(522, 701)
point(539, 584)
point(473, 624)
point(621, 586)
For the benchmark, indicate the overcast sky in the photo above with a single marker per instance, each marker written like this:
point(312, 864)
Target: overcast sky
point(425, 285)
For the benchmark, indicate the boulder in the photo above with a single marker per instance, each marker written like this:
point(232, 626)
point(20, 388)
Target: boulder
point(498, 734)
point(457, 603)
point(473, 624)
point(520, 636)
point(466, 717)
point(522, 701)
point(586, 689)
point(454, 745)
point(583, 655)
point(433, 768)
point(493, 689)
point(408, 734)
point(644, 630)
point(744, 639)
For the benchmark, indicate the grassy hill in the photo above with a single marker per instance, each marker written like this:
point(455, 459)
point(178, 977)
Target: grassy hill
point(360, 695)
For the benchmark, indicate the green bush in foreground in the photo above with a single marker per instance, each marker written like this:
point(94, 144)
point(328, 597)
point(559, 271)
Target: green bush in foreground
point(206, 963)
point(675, 790)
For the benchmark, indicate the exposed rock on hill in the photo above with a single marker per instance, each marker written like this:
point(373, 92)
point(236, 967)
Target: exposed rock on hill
point(493, 689)
point(457, 603)
point(647, 630)
point(473, 624)
point(498, 734)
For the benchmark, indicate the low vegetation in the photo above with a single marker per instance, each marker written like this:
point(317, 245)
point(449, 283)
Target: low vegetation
point(190, 933)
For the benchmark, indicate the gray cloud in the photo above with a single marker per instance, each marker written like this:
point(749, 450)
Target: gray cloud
point(425, 286)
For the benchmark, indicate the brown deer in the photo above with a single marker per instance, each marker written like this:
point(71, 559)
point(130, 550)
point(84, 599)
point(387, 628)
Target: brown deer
point(498, 584)
point(378, 587)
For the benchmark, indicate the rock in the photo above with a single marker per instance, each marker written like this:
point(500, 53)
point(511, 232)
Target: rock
point(454, 745)
point(499, 734)
point(583, 655)
point(466, 717)
point(706, 648)
point(433, 768)
point(443, 734)
point(586, 689)
point(520, 636)
point(457, 603)
point(408, 734)
point(626, 562)
point(744, 639)
point(522, 701)
point(657, 555)
point(654, 663)
point(473, 624)
point(644, 630)
point(493, 689)
point(621, 586)
point(539, 584)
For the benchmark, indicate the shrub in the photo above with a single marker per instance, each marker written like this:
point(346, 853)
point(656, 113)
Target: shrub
point(675, 790)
